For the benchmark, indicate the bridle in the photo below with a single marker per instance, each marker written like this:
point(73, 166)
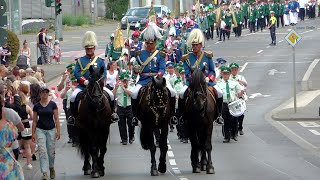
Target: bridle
point(96, 85)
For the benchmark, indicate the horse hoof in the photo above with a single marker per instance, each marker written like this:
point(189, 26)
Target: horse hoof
point(203, 167)
point(196, 170)
point(95, 175)
point(101, 173)
point(87, 172)
point(210, 170)
point(154, 172)
point(162, 168)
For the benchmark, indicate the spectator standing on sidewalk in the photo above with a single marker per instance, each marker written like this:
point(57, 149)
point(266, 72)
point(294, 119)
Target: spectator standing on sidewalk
point(50, 50)
point(123, 92)
point(46, 129)
point(57, 51)
point(25, 51)
point(5, 54)
point(43, 45)
point(9, 166)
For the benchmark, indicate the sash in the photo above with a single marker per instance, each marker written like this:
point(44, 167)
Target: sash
point(84, 70)
point(144, 64)
point(199, 60)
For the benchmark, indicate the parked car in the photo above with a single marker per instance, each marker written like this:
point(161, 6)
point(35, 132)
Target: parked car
point(141, 15)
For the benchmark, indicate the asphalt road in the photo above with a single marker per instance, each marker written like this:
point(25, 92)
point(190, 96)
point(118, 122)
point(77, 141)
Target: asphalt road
point(262, 153)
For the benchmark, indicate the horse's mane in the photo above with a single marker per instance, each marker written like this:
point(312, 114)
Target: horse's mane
point(197, 80)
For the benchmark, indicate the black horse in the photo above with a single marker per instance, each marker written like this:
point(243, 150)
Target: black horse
point(154, 112)
point(94, 119)
point(199, 112)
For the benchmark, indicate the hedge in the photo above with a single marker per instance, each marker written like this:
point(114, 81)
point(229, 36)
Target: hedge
point(14, 45)
point(117, 7)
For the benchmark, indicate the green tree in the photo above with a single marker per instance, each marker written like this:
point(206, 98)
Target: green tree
point(14, 45)
point(118, 7)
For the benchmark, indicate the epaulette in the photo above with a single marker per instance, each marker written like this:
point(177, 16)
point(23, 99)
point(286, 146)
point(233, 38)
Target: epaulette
point(185, 57)
point(209, 54)
point(138, 53)
point(163, 54)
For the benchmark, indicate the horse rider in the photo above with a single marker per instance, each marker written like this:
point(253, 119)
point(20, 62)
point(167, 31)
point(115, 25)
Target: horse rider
point(198, 59)
point(150, 63)
point(81, 73)
point(234, 67)
point(232, 90)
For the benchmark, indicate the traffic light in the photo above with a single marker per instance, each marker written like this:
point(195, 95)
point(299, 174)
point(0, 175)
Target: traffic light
point(49, 2)
point(3, 16)
point(58, 7)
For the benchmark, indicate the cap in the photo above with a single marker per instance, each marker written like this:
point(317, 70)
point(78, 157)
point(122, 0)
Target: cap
point(57, 41)
point(169, 64)
point(271, 12)
point(112, 35)
point(124, 76)
point(44, 88)
point(50, 37)
point(70, 66)
point(225, 69)
point(221, 61)
point(233, 65)
point(181, 70)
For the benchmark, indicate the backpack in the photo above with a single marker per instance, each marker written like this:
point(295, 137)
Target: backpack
point(22, 62)
point(39, 61)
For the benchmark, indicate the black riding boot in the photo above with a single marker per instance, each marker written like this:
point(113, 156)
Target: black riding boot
point(173, 119)
point(219, 108)
point(73, 110)
point(134, 110)
point(114, 115)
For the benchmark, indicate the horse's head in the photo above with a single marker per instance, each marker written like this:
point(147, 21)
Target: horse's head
point(159, 91)
point(95, 86)
point(198, 87)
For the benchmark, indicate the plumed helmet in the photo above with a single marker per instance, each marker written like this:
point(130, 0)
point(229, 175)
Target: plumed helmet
point(195, 37)
point(89, 40)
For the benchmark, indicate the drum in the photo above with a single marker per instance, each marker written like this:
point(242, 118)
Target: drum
point(237, 108)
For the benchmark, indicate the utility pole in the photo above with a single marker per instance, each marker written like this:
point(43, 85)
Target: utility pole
point(58, 20)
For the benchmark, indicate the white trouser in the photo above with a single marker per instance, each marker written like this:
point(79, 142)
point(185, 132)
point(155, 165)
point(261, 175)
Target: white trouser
point(293, 17)
point(183, 90)
point(77, 90)
point(135, 90)
point(286, 19)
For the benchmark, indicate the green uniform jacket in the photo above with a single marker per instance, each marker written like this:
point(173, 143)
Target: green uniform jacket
point(203, 23)
point(267, 10)
point(245, 9)
point(260, 11)
point(109, 50)
point(211, 18)
point(228, 20)
point(239, 17)
point(275, 8)
point(281, 9)
point(253, 14)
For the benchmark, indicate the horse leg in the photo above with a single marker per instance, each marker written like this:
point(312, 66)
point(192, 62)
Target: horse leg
point(94, 156)
point(203, 160)
point(194, 152)
point(86, 166)
point(103, 150)
point(208, 148)
point(153, 148)
point(202, 141)
point(163, 144)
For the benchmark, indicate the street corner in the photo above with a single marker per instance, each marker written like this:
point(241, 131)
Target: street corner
point(307, 108)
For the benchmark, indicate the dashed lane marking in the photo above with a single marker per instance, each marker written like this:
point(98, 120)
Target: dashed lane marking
point(259, 51)
point(315, 132)
point(306, 32)
point(170, 154)
point(217, 42)
point(268, 47)
point(281, 41)
point(183, 178)
point(309, 124)
point(169, 147)
point(244, 67)
point(172, 162)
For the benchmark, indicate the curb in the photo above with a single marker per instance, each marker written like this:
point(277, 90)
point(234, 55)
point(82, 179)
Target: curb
point(305, 83)
point(277, 118)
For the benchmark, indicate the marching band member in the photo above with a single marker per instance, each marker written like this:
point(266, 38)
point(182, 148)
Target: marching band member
point(294, 8)
point(231, 92)
point(240, 19)
point(228, 19)
point(244, 9)
point(253, 13)
point(197, 59)
point(234, 67)
point(109, 48)
point(81, 72)
point(286, 16)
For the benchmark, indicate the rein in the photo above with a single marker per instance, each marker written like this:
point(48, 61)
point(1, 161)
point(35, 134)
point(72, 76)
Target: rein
point(154, 108)
point(96, 83)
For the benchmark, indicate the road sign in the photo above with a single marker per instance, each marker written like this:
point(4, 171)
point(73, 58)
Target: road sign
point(293, 38)
point(274, 71)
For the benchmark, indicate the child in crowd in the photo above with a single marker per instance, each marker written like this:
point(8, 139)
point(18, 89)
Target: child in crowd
point(50, 49)
point(57, 52)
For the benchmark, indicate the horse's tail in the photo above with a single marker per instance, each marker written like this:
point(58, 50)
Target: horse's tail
point(145, 137)
point(83, 146)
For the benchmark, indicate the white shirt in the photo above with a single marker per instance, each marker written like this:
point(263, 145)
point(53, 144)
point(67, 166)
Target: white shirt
point(112, 78)
point(222, 24)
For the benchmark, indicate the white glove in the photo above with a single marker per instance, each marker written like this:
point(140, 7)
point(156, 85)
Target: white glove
point(240, 22)
point(86, 83)
point(262, 16)
point(256, 19)
point(207, 79)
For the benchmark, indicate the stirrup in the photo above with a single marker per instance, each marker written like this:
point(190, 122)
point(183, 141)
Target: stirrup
point(135, 121)
point(114, 117)
point(173, 120)
point(220, 120)
point(71, 121)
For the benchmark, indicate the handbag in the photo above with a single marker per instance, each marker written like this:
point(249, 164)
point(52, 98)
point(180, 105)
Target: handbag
point(26, 132)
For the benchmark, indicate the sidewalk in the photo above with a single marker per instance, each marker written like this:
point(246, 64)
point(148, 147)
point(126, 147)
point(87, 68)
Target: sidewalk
point(308, 101)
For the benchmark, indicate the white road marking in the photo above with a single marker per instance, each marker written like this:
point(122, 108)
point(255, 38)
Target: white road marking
point(315, 132)
point(170, 154)
point(61, 120)
point(62, 117)
point(168, 141)
point(169, 147)
point(280, 62)
point(183, 178)
point(310, 69)
point(281, 41)
point(311, 164)
point(217, 42)
point(304, 99)
point(273, 168)
point(259, 51)
point(244, 67)
point(177, 171)
point(306, 32)
point(309, 124)
point(62, 113)
point(172, 162)
point(268, 47)
point(299, 137)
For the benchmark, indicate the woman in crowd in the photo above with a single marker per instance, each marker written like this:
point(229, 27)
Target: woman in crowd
point(39, 77)
point(24, 112)
point(9, 167)
point(112, 75)
point(46, 129)
point(42, 43)
point(25, 51)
